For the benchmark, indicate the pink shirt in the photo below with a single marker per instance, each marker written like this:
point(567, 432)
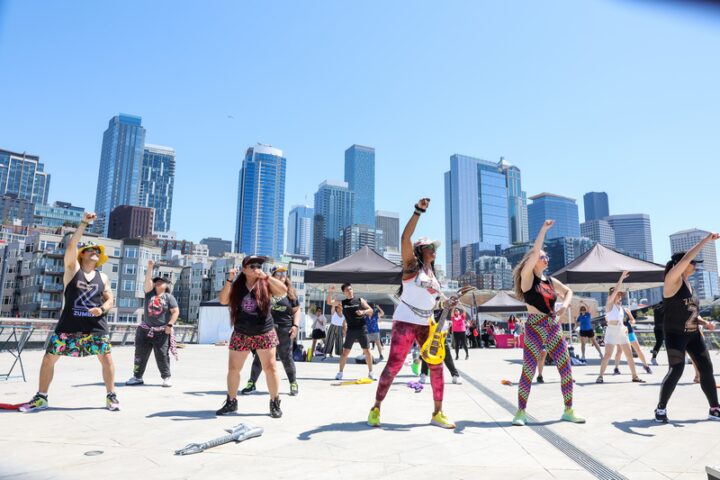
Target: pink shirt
point(458, 322)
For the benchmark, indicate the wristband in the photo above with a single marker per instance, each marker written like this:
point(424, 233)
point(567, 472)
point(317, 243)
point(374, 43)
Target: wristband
point(83, 222)
point(102, 309)
point(228, 280)
point(417, 212)
point(421, 210)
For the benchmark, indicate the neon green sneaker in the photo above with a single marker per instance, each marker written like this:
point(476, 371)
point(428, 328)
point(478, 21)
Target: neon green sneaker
point(37, 403)
point(569, 416)
point(520, 419)
point(374, 417)
point(415, 367)
point(440, 420)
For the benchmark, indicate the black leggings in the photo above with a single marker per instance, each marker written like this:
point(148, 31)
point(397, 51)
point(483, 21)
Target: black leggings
point(460, 341)
point(449, 362)
point(659, 339)
point(284, 350)
point(694, 344)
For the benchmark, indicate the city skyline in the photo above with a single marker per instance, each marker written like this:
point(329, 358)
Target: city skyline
point(590, 119)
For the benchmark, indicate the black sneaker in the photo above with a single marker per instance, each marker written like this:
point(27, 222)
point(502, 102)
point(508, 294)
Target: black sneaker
point(250, 387)
point(540, 379)
point(661, 415)
point(293, 389)
point(638, 380)
point(616, 371)
point(229, 406)
point(275, 411)
point(714, 413)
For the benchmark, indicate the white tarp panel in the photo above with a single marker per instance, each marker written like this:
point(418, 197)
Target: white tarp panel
point(214, 324)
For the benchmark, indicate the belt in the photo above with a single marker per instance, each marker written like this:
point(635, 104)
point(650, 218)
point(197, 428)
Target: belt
point(151, 334)
point(417, 311)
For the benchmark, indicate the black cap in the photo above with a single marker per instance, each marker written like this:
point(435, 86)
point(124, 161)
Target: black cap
point(678, 256)
point(253, 259)
point(162, 279)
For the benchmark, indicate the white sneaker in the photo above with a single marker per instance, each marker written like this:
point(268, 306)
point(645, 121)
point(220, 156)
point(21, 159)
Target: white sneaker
point(134, 381)
point(423, 378)
point(457, 380)
point(338, 376)
point(167, 382)
point(372, 376)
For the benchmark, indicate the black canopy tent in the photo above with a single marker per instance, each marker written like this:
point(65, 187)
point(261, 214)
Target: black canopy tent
point(362, 267)
point(599, 268)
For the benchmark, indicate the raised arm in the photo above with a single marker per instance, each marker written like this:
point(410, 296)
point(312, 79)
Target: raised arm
point(616, 291)
point(224, 296)
point(673, 279)
point(149, 276)
point(276, 286)
point(565, 293)
point(71, 250)
point(406, 246)
point(526, 274)
point(330, 300)
point(381, 313)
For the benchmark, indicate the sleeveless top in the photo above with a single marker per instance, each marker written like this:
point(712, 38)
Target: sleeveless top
point(80, 297)
point(418, 298)
point(350, 308)
point(249, 320)
point(616, 314)
point(681, 311)
point(541, 295)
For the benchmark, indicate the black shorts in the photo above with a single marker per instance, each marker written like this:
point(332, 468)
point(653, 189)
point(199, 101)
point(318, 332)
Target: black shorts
point(587, 333)
point(353, 336)
point(318, 333)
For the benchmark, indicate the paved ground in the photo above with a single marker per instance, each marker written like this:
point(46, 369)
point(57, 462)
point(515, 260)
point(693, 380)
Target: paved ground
point(323, 432)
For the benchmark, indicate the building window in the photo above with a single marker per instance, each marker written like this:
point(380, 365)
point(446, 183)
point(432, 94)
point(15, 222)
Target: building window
point(128, 285)
point(130, 268)
point(115, 268)
point(131, 252)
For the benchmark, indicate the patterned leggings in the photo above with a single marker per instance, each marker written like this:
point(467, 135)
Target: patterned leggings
point(544, 330)
point(403, 336)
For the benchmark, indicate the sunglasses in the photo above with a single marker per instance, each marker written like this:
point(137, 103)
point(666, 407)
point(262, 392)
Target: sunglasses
point(93, 250)
point(430, 247)
point(254, 266)
point(545, 257)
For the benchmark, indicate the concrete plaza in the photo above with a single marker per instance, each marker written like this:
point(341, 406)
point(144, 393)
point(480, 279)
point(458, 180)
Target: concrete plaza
point(323, 433)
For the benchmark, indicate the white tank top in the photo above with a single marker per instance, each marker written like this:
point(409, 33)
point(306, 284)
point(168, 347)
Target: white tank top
point(616, 314)
point(420, 293)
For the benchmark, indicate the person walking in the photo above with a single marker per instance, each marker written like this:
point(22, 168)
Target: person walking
point(542, 329)
point(458, 330)
point(155, 332)
point(248, 296)
point(82, 329)
point(682, 330)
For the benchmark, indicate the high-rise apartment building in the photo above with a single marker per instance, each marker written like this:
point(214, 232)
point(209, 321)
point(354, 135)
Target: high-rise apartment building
point(300, 231)
point(24, 177)
point(517, 202)
point(333, 212)
point(157, 183)
point(389, 223)
point(632, 234)
point(261, 202)
point(549, 206)
point(599, 231)
point(360, 177)
point(596, 206)
point(354, 237)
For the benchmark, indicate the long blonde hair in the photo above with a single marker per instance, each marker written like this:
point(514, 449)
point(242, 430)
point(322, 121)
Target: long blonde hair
point(517, 278)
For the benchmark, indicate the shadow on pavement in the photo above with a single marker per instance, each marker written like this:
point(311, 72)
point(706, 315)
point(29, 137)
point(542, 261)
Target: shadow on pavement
point(358, 427)
point(463, 424)
point(628, 426)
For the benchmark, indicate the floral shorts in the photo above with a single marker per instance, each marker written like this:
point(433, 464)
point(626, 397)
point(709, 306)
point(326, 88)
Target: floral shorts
point(78, 344)
point(244, 343)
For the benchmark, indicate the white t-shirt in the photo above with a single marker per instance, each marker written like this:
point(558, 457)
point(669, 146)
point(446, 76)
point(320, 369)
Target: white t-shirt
point(337, 320)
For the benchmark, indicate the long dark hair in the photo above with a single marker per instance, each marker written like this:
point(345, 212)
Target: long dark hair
point(417, 252)
point(291, 293)
point(239, 290)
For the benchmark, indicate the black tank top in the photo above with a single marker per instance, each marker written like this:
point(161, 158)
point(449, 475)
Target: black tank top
point(80, 297)
point(541, 295)
point(350, 308)
point(681, 311)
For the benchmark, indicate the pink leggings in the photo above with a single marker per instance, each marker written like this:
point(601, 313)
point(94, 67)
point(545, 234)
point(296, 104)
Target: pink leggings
point(403, 336)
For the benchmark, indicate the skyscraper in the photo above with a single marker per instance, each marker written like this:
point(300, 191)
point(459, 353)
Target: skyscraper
point(632, 234)
point(596, 205)
point(599, 231)
point(120, 167)
point(354, 237)
point(548, 206)
point(300, 231)
point(476, 208)
point(389, 223)
point(156, 184)
point(333, 212)
point(360, 177)
point(261, 202)
point(705, 278)
point(23, 177)
point(517, 202)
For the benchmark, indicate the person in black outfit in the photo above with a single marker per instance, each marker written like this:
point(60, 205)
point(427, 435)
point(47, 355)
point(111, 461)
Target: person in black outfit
point(354, 310)
point(682, 330)
point(286, 315)
point(82, 329)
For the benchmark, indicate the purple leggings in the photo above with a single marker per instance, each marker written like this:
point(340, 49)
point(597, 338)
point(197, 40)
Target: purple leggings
point(403, 336)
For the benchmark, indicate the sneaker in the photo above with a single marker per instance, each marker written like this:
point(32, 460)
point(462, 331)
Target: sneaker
point(423, 378)
point(229, 406)
point(457, 380)
point(339, 376)
point(134, 381)
point(415, 367)
point(638, 380)
point(372, 376)
point(293, 389)
point(167, 383)
point(382, 358)
point(249, 388)
point(37, 403)
point(654, 361)
point(599, 379)
point(661, 415)
point(111, 402)
point(714, 413)
point(467, 356)
point(440, 420)
point(569, 416)
point(647, 369)
point(616, 371)
point(520, 419)
point(540, 379)
point(374, 417)
point(275, 411)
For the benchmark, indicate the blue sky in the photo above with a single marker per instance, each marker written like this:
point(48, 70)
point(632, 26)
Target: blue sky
point(602, 95)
